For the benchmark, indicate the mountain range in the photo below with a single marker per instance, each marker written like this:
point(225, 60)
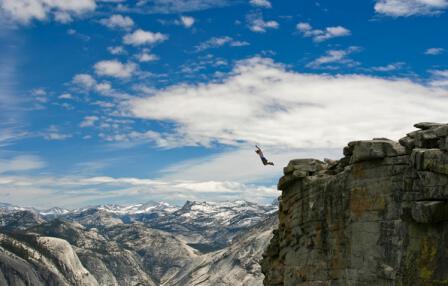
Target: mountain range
point(199, 243)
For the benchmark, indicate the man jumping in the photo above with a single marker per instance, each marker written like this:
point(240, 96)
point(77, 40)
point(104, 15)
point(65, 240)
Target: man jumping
point(263, 159)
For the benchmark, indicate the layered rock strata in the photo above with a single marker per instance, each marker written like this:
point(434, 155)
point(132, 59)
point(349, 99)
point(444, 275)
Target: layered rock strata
point(378, 216)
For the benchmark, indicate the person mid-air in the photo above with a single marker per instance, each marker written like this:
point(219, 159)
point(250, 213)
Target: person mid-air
point(262, 157)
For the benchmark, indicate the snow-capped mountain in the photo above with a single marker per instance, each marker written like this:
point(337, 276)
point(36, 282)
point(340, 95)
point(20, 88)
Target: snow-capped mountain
point(150, 207)
point(4, 208)
point(56, 211)
point(204, 225)
point(140, 244)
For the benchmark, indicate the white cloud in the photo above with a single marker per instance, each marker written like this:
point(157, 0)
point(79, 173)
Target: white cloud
point(118, 50)
point(141, 37)
point(217, 42)
point(262, 102)
point(87, 83)
point(39, 92)
point(8, 135)
point(261, 3)
point(53, 135)
point(25, 11)
point(66, 96)
point(335, 57)
point(259, 25)
point(146, 56)
point(88, 121)
point(434, 51)
point(389, 67)
point(405, 8)
point(21, 163)
point(63, 17)
point(103, 87)
point(187, 21)
point(439, 78)
point(118, 21)
point(84, 80)
point(322, 35)
point(81, 191)
point(114, 68)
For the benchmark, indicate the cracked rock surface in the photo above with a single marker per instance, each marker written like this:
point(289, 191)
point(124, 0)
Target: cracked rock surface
point(378, 216)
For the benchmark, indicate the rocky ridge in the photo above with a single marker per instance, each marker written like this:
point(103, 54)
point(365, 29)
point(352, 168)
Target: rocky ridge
point(378, 216)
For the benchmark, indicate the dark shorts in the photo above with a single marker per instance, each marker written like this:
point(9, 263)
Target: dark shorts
point(264, 160)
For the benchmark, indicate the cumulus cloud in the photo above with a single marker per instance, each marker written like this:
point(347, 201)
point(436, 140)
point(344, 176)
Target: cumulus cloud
point(146, 56)
point(262, 102)
point(84, 80)
point(322, 35)
point(118, 21)
point(141, 37)
point(117, 50)
point(335, 57)
point(187, 21)
point(257, 24)
point(217, 42)
point(25, 11)
point(87, 83)
point(114, 68)
point(261, 3)
point(21, 163)
point(434, 51)
point(405, 8)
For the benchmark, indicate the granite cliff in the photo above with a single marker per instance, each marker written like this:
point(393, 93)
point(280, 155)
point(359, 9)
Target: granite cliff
point(378, 216)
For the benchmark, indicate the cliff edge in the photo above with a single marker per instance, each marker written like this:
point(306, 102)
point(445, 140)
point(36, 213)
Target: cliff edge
point(378, 216)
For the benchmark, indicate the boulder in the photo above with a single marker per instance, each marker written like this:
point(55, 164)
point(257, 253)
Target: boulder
point(427, 125)
point(375, 149)
point(309, 166)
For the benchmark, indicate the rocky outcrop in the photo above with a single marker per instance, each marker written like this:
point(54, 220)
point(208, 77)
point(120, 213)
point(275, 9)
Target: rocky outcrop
point(378, 216)
point(27, 259)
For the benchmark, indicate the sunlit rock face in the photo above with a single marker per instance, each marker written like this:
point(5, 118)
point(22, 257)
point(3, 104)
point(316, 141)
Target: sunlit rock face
point(378, 216)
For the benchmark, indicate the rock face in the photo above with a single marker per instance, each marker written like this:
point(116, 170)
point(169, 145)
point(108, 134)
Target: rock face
point(378, 216)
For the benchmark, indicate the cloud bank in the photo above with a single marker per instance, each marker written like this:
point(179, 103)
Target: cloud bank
point(262, 102)
point(81, 191)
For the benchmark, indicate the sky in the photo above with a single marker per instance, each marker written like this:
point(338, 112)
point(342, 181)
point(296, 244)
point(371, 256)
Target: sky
point(116, 101)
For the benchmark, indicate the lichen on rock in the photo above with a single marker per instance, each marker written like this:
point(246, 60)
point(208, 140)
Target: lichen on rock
point(378, 216)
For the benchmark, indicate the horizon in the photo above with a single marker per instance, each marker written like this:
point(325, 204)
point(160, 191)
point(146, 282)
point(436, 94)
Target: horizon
point(118, 102)
point(85, 207)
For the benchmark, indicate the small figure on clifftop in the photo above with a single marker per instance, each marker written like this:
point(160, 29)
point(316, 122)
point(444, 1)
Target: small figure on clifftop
point(263, 159)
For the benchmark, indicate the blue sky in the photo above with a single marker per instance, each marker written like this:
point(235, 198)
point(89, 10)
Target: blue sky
point(128, 101)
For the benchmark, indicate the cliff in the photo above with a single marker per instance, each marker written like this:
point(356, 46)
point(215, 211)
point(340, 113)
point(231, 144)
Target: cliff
point(378, 216)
